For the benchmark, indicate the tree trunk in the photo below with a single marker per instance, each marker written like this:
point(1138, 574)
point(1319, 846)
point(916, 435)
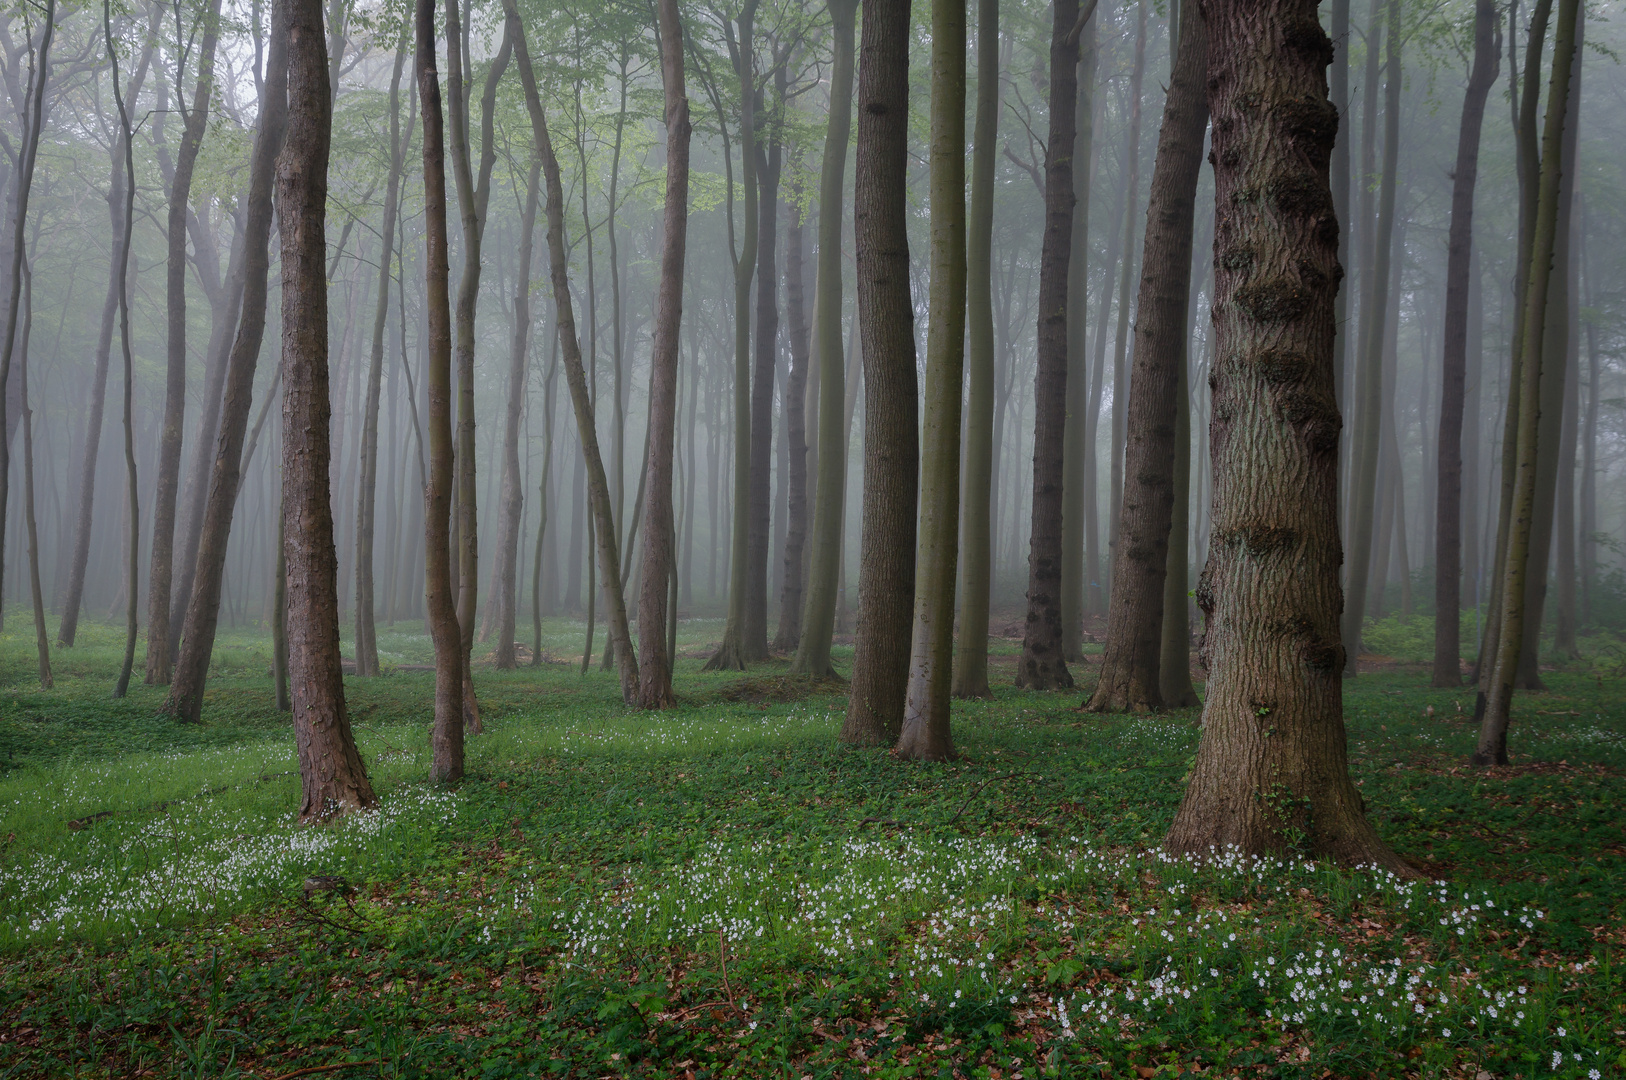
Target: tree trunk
point(1459, 262)
point(886, 569)
point(830, 490)
point(1130, 669)
point(769, 160)
point(1369, 398)
point(160, 646)
point(976, 526)
point(1271, 771)
point(655, 674)
point(602, 523)
point(185, 700)
point(42, 640)
point(1492, 744)
point(366, 626)
point(446, 737)
point(926, 735)
point(1042, 666)
point(331, 772)
point(1078, 456)
point(788, 636)
point(1339, 87)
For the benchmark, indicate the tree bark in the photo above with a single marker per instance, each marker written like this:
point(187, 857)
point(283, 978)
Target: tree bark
point(1491, 748)
point(976, 525)
point(1271, 773)
point(366, 505)
point(788, 636)
point(891, 436)
point(332, 775)
point(602, 524)
point(42, 640)
point(769, 167)
point(655, 673)
point(160, 646)
point(1369, 399)
point(185, 700)
point(1078, 452)
point(1459, 262)
point(830, 487)
point(1042, 666)
point(1130, 670)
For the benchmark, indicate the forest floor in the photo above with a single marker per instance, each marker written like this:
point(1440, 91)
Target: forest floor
point(724, 891)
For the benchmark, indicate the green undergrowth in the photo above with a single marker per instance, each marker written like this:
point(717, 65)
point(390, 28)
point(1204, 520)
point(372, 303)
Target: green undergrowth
point(722, 890)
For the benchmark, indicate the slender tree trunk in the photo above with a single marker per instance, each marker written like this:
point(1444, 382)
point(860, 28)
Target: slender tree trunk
point(42, 640)
point(160, 645)
point(1369, 399)
point(1339, 87)
point(446, 737)
point(1492, 745)
point(1130, 670)
point(1272, 760)
point(926, 735)
point(330, 768)
point(185, 700)
point(788, 636)
point(659, 568)
point(830, 485)
point(886, 569)
point(1078, 457)
point(1588, 496)
point(769, 159)
point(1042, 666)
point(603, 523)
point(976, 525)
point(366, 626)
point(543, 505)
point(1459, 262)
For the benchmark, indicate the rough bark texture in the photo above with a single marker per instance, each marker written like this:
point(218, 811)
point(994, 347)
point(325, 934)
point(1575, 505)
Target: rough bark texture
point(1042, 666)
point(830, 490)
point(926, 735)
point(602, 522)
point(160, 646)
point(185, 700)
point(976, 518)
point(446, 737)
point(1459, 261)
point(1271, 771)
point(655, 672)
point(332, 775)
point(886, 571)
point(1130, 679)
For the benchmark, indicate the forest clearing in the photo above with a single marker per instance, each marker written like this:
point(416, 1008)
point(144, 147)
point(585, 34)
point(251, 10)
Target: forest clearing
point(723, 889)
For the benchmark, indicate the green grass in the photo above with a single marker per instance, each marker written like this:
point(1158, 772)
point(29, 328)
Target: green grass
point(724, 891)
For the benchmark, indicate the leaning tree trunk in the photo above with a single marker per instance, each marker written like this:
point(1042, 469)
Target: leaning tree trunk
point(1459, 261)
point(446, 737)
point(1271, 766)
point(505, 601)
point(655, 673)
point(602, 523)
point(1369, 378)
point(366, 504)
point(926, 735)
point(160, 646)
point(1130, 669)
point(830, 481)
point(1043, 665)
point(185, 700)
point(976, 526)
point(1491, 748)
point(891, 436)
point(330, 768)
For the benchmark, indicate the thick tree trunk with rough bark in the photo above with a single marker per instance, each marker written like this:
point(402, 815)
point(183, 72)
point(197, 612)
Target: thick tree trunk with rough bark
point(602, 522)
point(1459, 261)
point(1271, 773)
point(160, 646)
point(330, 768)
point(976, 524)
point(659, 568)
point(185, 700)
point(886, 571)
point(830, 485)
point(926, 735)
point(1130, 670)
point(366, 505)
point(1042, 666)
